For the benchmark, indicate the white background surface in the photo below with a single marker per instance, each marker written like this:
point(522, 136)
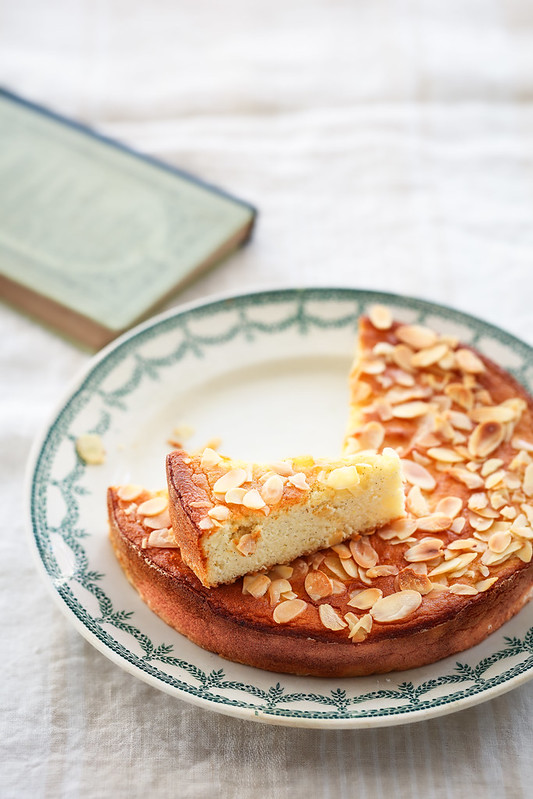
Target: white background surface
point(387, 145)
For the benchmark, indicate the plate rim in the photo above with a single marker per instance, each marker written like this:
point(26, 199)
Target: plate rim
point(76, 385)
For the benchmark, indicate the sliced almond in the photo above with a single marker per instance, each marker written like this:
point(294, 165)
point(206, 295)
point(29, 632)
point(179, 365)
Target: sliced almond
point(527, 484)
point(410, 410)
point(153, 507)
point(444, 454)
point(470, 479)
point(344, 477)
point(385, 570)
point(235, 496)
point(416, 336)
point(449, 506)
point(468, 362)
point(418, 475)
point(425, 549)
point(253, 500)
point(460, 394)
point(400, 529)
point(409, 580)
point(277, 588)
point(484, 585)
point(162, 538)
point(255, 584)
point(220, 512)
point(463, 589)
point(380, 316)
point(288, 610)
point(129, 492)
point(396, 607)
point(210, 458)
point(318, 585)
point(272, 489)
point(525, 553)
point(454, 564)
point(498, 542)
point(416, 502)
point(359, 628)
point(457, 525)
point(402, 356)
point(434, 523)
point(90, 449)
point(299, 481)
point(247, 544)
point(429, 356)
point(493, 413)
point(365, 599)
point(330, 618)
point(232, 479)
point(363, 553)
point(158, 522)
point(485, 438)
point(371, 436)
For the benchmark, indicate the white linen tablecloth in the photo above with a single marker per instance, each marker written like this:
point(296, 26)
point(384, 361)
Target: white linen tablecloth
point(387, 145)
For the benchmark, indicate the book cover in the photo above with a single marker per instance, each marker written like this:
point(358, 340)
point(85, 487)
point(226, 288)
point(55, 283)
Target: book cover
point(94, 236)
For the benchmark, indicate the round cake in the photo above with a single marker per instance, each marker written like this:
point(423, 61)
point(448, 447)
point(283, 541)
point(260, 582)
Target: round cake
point(423, 587)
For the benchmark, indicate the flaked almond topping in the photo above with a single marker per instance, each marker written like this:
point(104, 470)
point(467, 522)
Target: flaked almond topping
point(385, 570)
point(434, 523)
point(359, 628)
point(153, 506)
point(336, 566)
point(527, 484)
point(288, 610)
point(457, 525)
point(90, 449)
point(402, 356)
point(373, 366)
point(157, 522)
point(281, 570)
point(210, 458)
point(454, 564)
point(428, 356)
point(493, 413)
point(330, 618)
point(299, 481)
point(342, 550)
point(479, 523)
point(161, 538)
point(206, 523)
point(363, 553)
point(395, 607)
point(232, 479)
point(360, 392)
point(418, 475)
point(498, 542)
point(277, 588)
point(253, 500)
point(463, 589)
point(338, 587)
point(463, 543)
point(247, 545)
point(470, 479)
point(371, 436)
point(485, 438)
point(219, 512)
point(235, 496)
point(484, 585)
point(400, 529)
point(409, 580)
point(380, 316)
point(426, 549)
point(272, 489)
point(318, 585)
point(449, 506)
point(417, 336)
point(129, 492)
point(342, 478)
point(460, 394)
point(468, 362)
point(416, 502)
point(460, 421)
point(525, 553)
point(478, 501)
point(410, 410)
point(444, 454)
point(255, 584)
point(365, 599)
point(490, 466)
point(521, 443)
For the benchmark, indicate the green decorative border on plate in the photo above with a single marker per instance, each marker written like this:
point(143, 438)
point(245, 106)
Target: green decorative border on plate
point(409, 700)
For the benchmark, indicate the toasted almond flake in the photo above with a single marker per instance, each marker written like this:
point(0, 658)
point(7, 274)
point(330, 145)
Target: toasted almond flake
point(374, 366)
point(281, 570)
point(444, 454)
point(153, 506)
point(330, 618)
point(219, 512)
point(498, 542)
point(447, 362)
point(299, 481)
point(410, 580)
point(365, 599)
point(460, 394)
point(462, 544)
point(434, 523)
point(478, 501)
point(277, 588)
point(206, 523)
point(318, 585)
point(360, 391)
point(468, 362)
point(161, 537)
point(416, 474)
point(485, 438)
point(380, 317)
point(484, 585)
point(400, 529)
point(255, 584)
point(479, 523)
point(235, 496)
point(494, 479)
point(508, 512)
point(463, 589)
point(288, 610)
point(210, 458)
point(342, 550)
point(253, 500)
point(384, 570)
point(410, 410)
point(272, 489)
point(425, 549)
point(90, 449)
point(129, 492)
point(360, 629)
point(350, 567)
point(428, 356)
point(460, 421)
point(417, 336)
point(232, 479)
point(416, 502)
point(526, 552)
point(470, 480)
point(342, 478)
point(449, 506)
point(363, 553)
point(490, 466)
point(493, 413)
point(159, 521)
point(371, 436)
point(395, 607)
point(527, 484)
point(338, 587)
point(521, 443)
point(247, 544)
point(457, 525)
point(454, 564)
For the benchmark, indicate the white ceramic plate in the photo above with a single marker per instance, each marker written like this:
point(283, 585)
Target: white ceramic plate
point(267, 373)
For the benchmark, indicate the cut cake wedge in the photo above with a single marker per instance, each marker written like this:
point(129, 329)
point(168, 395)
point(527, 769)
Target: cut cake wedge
point(231, 518)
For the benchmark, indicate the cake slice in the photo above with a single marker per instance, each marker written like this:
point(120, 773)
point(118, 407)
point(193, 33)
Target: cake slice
point(230, 518)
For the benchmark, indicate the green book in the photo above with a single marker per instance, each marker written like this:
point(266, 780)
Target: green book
point(94, 236)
